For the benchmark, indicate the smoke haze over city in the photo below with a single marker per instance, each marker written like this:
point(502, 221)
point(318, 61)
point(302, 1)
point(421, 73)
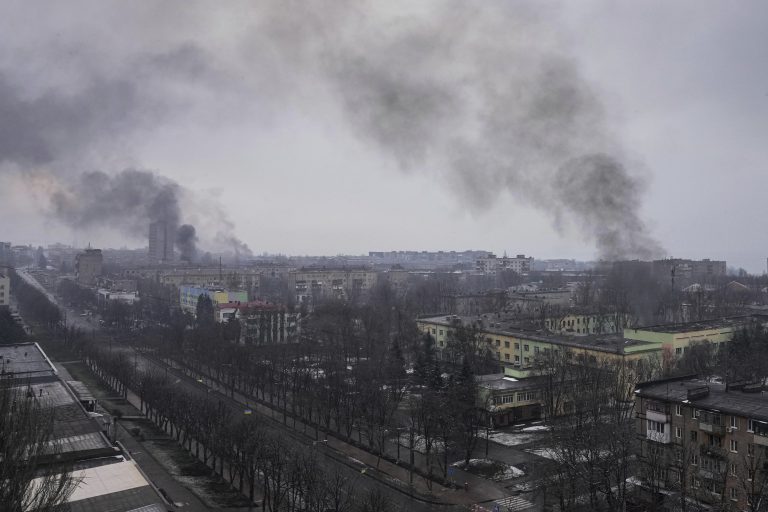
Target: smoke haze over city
point(308, 128)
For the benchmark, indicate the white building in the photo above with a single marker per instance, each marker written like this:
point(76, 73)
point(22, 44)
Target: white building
point(491, 264)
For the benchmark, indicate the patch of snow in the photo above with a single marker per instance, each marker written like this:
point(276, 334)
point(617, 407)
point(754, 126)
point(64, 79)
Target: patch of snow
point(511, 438)
point(535, 428)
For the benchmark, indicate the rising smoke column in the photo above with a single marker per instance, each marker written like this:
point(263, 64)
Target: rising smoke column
point(186, 241)
point(482, 93)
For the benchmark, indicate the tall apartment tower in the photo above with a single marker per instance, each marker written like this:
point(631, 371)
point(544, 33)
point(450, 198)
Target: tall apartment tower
point(162, 236)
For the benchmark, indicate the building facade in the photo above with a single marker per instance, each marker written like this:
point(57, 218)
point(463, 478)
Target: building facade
point(491, 264)
point(5, 290)
point(162, 236)
point(312, 284)
point(88, 266)
point(703, 443)
point(189, 295)
point(261, 323)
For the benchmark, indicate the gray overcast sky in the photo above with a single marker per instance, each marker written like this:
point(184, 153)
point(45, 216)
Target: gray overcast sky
point(343, 127)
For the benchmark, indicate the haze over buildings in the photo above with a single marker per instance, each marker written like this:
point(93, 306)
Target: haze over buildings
point(229, 112)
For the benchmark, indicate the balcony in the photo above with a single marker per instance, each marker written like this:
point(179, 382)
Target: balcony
point(712, 428)
point(657, 416)
point(760, 439)
point(659, 437)
point(715, 452)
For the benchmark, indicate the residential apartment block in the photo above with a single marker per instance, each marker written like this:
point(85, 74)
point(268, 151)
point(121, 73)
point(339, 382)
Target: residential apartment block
point(309, 284)
point(703, 443)
point(88, 266)
point(491, 264)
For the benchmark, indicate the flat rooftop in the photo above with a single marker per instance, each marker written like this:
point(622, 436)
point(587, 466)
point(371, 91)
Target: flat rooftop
point(731, 401)
point(109, 480)
point(25, 360)
point(615, 343)
point(704, 325)
point(499, 382)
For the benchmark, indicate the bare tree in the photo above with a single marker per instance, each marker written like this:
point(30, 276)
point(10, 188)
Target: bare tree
point(30, 478)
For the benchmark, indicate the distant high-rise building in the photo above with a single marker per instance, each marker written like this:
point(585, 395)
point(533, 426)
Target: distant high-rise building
point(6, 255)
point(161, 239)
point(88, 266)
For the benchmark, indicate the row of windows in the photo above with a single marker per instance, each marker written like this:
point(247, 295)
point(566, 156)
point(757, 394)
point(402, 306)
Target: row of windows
point(735, 422)
point(523, 396)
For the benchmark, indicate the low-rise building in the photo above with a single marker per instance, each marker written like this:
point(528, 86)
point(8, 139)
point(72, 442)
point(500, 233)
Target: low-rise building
point(516, 348)
point(80, 440)
point(189, 295)
point(506, 400)
point(703, 442)
point(261, 322)
point(106, 296)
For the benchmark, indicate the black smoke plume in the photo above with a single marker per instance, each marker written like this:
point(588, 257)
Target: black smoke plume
point(186, 241)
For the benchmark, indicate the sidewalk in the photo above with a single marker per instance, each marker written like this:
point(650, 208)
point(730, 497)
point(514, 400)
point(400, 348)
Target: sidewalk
point(182, 497)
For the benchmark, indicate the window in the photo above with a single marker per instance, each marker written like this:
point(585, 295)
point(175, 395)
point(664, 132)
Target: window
point(535, 350)
point(678, 410)
point(507, 399)
point(695, 413)
point(695, 459)
point(678, 351)
point(526, 348)
point(694, 435)
point(715, 441)
point(433, 331)
point(734, 446)
point(440, 343)
point(517, 346)
point(441, 332)
point(732, 469)
point(517, 359)
point(655, 426)
point(498, 355)
point(498, 343)
point(695, 483)
point(506, 344)
point(734, 422)
point(506, 357)
point(733, 493)
point(678, 432)
point(527, 360)
point(751, 450)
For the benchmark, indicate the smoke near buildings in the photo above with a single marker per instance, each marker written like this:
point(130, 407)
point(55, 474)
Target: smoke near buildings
point(483, 96)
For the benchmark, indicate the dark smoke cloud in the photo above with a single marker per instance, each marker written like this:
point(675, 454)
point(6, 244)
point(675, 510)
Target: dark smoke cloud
point(41, 129)
point(480, 93)
point(186, 241)
point(52, 132)
point(128, 200)
point(483, 93)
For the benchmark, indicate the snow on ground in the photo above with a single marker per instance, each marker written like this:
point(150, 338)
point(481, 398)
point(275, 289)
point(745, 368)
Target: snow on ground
point(491, 469)
point(535, 428)
point(511, 438)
